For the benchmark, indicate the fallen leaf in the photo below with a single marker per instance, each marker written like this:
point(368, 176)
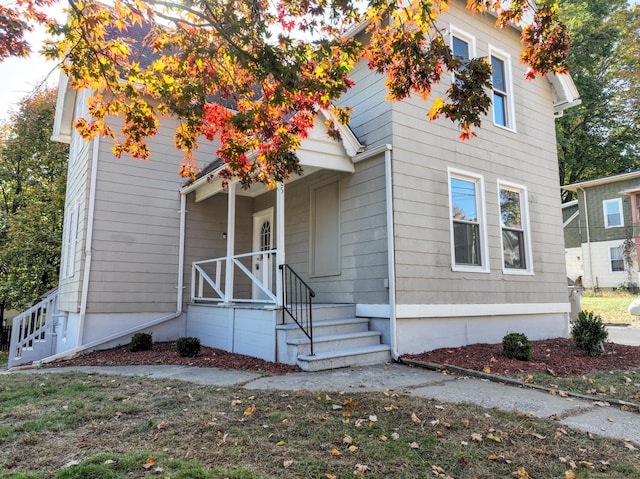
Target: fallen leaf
point(163, 425)
point(393, 407)
point(287, 463)
point(486, 369)
point(493, 437)
point(437, 469)
point(476, 437)
point(630, 446)
point(373, 418)
point(493, 457)
point(570, 474)
point(330, 476)
point(438, 406)
point(521, 473)
point(335, 452)
point(353, 448)
point(361, 469)
point(415, 418)
point(150, 463)
point(383, 438)
point(249, 411)
point(280, 443)
point(395, 436)
point(601, 403)
point(347, 439)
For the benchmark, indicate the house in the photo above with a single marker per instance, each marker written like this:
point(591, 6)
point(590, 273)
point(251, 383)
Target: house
point(405, 238)
point(602, 231)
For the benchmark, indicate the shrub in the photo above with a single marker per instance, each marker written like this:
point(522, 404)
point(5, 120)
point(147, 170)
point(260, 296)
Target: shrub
point(140, 342)
point(589, 333)
point(187, 347)
point(517, 346)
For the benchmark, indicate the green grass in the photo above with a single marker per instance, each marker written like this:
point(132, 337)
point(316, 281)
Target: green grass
point(183, 430)
point(611, 306)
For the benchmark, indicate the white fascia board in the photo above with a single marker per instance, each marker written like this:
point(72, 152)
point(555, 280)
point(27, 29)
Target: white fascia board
point(349, 140)
point(566, 94)
point(602, 181)
point(65, 108)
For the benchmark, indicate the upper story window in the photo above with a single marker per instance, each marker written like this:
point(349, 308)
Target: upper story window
point(515, 228)
point(613, 213)
point(468, 231)
point(503, 112)
point(462, 45)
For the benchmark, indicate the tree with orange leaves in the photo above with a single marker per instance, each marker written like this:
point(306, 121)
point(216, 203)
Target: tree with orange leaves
point(252, 74)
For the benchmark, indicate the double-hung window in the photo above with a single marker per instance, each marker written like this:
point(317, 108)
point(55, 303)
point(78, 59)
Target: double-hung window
point(616, 259)
point(514, 227)
point(462, 47)
point(468, 232)
point(612, 210)
point(503, 110)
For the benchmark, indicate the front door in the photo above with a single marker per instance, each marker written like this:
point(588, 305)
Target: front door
point(262, 265)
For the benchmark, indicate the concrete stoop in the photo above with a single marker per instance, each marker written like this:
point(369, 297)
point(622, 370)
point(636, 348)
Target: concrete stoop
point(339, 340)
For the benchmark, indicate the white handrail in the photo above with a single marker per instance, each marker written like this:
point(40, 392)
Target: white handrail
point(201, 278)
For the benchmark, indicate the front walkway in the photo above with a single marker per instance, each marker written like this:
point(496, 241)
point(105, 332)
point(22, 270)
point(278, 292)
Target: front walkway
point(586, 416)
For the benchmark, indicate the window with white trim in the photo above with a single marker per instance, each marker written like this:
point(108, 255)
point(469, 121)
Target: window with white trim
point(616, 259)
point(503, 112)
point(468, 232)
point(514, 225)
point(612, 210)
point(70, 240)
point(462, 46)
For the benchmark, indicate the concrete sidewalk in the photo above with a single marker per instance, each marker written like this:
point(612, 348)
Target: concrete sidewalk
point(579, 414)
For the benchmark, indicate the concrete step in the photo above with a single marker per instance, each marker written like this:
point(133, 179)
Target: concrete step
point(327, 327)
point(322, 312)
point(335, 342)
point(345, 358)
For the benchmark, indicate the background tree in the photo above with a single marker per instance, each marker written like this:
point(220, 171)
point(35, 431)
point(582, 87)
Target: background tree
point(32, 189)
point(601, 136)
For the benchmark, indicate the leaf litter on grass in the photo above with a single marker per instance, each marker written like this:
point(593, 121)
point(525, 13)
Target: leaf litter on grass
point(289, 435)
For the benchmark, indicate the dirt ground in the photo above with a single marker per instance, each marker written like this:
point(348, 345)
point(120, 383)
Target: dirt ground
point(557, 356)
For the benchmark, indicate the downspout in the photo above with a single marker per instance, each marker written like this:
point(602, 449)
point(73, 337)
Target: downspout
point(391, 252)
point(148, 324)
point(89, 239)
point(391, 255)
point(586, 219)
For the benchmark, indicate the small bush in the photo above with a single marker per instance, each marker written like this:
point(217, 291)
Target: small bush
point(187, 347)
point(517, 346)
point(589, 333)
point(140, 342)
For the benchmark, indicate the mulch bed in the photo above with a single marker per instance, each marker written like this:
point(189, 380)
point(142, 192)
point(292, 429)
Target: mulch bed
point(164, 353)
point(557, 356)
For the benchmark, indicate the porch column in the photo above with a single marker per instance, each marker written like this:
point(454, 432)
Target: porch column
point(280, 256)
point(231, 232)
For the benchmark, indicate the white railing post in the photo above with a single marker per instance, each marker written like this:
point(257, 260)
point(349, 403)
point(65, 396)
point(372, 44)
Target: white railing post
point(231, 230)
point(280, 256)
point(193, 281)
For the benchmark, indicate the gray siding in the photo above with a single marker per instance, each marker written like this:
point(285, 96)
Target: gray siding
point(572, 231)
point(422, 152)
point(136, 229)
point(363, 251)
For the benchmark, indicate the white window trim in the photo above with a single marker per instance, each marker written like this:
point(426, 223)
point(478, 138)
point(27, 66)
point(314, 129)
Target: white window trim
point(482, 216)
point(624, 263)
point(604, 212)
point(524, 213)
point(511, 113)
point(71, 241)
point(462, 35)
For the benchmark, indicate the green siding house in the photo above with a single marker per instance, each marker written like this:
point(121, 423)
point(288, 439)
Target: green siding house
point(602, 231)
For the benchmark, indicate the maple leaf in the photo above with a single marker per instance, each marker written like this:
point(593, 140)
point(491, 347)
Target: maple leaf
point(151, 461)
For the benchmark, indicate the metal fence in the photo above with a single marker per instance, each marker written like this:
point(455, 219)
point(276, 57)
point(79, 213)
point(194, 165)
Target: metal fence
point(5, 338)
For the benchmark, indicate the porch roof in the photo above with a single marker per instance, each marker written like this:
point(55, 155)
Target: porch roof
point(316, 152)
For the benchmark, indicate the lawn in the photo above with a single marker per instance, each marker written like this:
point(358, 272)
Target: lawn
point(73, 425)
point(611, 306)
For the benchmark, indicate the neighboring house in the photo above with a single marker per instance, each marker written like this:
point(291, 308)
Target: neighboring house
point(602, 231)
point(410, 238)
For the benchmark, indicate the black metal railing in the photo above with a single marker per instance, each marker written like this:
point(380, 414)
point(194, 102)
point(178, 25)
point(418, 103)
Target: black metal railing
point(5, 338)
point(297, 299)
